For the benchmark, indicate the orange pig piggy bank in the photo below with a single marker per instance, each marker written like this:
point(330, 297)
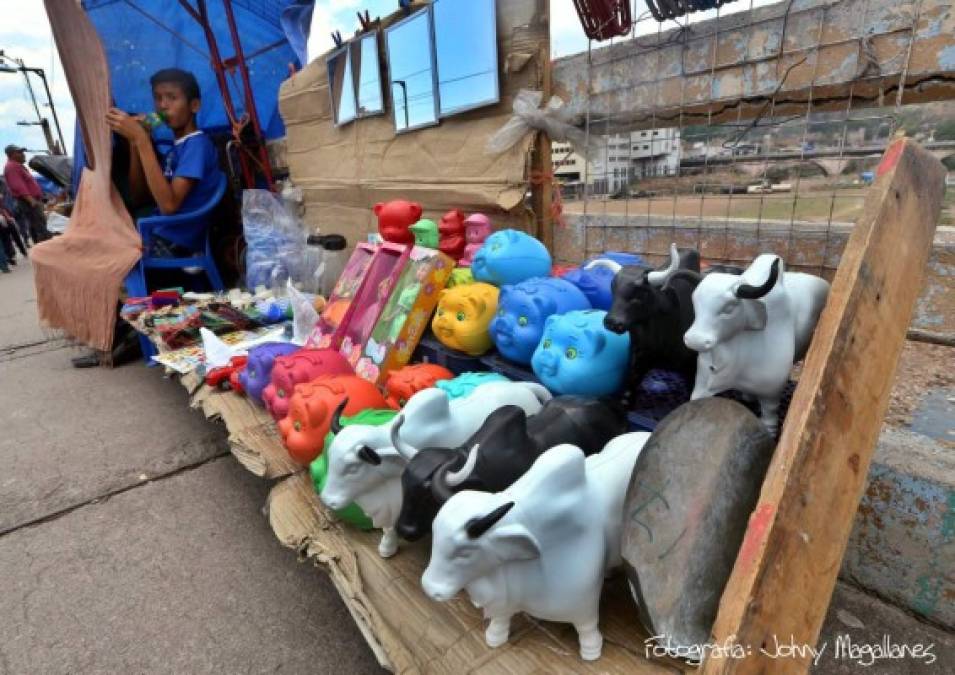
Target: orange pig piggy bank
point(463, 316)
point(405, 382)
point(312, 408)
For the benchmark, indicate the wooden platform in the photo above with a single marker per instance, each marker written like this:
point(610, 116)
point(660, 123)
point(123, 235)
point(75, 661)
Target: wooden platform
point(796, 536)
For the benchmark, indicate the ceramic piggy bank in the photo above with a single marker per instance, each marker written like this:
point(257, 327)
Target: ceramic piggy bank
point(405, 382)
point(425, 233)
point(302, 366)
point(595, 280)
point(463, 316)
point(395, 218)
point(465, 383)
point(451, 231)
point(750, 328)
point(577, 355)
point(364, 467)
point(312, 408)
point(477, 229)
point(542, 546)
point(318, 469)
point(522, 310)
point(258, 370)
point(510, 257)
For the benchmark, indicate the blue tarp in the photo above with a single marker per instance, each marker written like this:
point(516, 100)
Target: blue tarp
point(143, 36)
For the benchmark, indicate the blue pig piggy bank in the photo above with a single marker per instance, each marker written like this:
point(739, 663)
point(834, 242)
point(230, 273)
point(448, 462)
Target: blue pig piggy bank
point(510, 257)
point(595, 282)
point(258, 372)
point(522, 310)
point(577, 355)
point(464, 384)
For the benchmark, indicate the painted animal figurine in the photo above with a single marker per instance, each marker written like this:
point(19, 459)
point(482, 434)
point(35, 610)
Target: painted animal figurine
point(577, 355)
point(303, 366)
point(465, 383)
point(523, 308)
point(542, 546)
point(318, 469)
point(364, 467)
point(463, 316)
point(311, 409)
point(750, 329)
point(407, 381)
point(425, 233)
point(452, 238)
point(499, 453)
point(477, 228)
point(595, 281)
point(258, 371)
point(510, 257)
point(395, 219)
point(655, 317)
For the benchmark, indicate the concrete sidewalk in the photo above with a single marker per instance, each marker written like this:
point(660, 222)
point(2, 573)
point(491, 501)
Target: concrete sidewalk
point(130, 541)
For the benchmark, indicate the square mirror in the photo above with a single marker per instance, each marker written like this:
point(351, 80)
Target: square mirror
point(411, 65)
point(341, 85)
point(365, 56)
point(465, 35)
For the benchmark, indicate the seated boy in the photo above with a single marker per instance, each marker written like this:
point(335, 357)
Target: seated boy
point(188, 175)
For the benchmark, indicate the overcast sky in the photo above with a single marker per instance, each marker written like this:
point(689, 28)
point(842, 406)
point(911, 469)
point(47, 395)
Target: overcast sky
point(28, 37)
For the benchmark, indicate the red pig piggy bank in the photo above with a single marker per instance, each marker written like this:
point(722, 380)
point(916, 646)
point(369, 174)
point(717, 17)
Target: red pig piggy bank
point(403, 383)
point(312, 409)
point(394, 219)
point(451, 229)
point(302, 366)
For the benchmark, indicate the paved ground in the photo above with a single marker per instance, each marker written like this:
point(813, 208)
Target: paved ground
point(130, 541)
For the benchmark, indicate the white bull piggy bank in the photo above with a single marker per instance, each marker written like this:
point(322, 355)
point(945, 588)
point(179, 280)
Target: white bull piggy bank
point(750, 329)
point(542, 546)
point(365, 468)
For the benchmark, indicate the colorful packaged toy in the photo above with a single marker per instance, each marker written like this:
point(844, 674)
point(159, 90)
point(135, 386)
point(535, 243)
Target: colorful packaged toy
point(404, 318)
point(327, 332)
point(463, 316)
point(312, 408)
point(510, 257)
point(522, 310)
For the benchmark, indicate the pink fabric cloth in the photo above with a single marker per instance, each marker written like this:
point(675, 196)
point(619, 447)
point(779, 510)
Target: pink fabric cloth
point(21, 181)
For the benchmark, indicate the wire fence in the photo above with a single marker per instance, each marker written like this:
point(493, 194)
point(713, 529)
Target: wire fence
point(790, 180)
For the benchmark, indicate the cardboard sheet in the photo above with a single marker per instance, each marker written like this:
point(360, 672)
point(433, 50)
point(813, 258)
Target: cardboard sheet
point(344, 171)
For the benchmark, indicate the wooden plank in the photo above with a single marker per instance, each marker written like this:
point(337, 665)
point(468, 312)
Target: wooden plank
point(410, 633)
point(786, 570)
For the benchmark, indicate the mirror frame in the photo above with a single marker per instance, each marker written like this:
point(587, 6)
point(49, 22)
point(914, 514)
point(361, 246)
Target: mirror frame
point(426, 11)
point(329, 60)
point(437, 75)
point(359, 45)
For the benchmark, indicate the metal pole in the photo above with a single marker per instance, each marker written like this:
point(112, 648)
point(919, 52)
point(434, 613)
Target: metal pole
point(49, 98)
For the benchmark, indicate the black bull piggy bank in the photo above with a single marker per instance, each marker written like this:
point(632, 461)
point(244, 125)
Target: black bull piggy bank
point(499, 453)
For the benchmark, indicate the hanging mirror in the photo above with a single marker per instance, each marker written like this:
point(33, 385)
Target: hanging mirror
point(341, 83)
point(411, 66)
point(365, 57)
point(465, 34)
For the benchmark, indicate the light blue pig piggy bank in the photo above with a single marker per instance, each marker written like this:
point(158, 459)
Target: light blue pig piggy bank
point(510, 257)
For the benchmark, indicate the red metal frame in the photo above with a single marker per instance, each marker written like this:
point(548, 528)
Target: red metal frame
point(603, 19)
point(251, 115)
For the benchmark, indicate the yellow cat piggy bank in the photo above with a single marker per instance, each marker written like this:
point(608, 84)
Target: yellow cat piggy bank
point(463, 316)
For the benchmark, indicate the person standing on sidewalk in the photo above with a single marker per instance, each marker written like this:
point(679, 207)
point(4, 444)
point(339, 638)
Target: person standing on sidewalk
point(27, 192)
point(21, 233)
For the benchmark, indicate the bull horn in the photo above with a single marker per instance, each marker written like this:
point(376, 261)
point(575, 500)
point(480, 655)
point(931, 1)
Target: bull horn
point(659, 277)
point(337, 417)
point(748, 292)
point(440, 489)
point(406, 451)
point(461, 475)
point(478, 526)
point(689, 275)
point(611, 265)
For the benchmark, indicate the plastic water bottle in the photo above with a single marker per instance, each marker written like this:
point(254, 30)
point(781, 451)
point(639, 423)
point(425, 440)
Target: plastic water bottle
point(153, 120)
point(335, 260)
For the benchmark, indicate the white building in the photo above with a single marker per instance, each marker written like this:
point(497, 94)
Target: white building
point(619, 160)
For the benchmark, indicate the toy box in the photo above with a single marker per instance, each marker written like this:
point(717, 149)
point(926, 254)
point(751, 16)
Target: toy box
point(355, 316)
point(339, 303)
point(405, 316)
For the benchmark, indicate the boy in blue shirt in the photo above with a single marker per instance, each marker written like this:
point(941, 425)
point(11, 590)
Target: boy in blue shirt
point(188, 175)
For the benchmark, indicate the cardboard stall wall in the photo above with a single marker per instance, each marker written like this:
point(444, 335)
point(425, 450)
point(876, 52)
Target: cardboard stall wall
point(343, 171)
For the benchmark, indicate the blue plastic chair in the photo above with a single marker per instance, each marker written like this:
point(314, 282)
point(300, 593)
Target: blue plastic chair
point(188, 230)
